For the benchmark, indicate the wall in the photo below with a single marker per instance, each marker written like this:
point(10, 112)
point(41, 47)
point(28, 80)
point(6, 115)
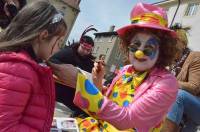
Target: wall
point(187, 21)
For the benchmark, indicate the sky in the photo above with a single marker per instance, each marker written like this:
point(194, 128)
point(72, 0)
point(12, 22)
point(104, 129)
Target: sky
point(103, 14)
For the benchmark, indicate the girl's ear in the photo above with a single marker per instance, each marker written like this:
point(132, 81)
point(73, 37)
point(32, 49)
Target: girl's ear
point(43, 35)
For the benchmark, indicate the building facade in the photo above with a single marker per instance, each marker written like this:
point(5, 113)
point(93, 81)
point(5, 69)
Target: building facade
point(70, 8)
point(188, 15)
point(107, 46)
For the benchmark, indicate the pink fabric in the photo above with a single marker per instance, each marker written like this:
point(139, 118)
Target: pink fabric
point(27, 96)
point(151, 102)
point(142, 8)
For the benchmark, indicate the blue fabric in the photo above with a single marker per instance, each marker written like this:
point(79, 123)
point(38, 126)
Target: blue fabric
point(186, 104)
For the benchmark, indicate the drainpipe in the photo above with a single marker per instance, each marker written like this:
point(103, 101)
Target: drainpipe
point(179, 2)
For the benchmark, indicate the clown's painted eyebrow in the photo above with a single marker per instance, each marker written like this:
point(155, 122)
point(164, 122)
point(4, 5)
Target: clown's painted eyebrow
point(152, 46)
point(136, 41)
point(152, 41)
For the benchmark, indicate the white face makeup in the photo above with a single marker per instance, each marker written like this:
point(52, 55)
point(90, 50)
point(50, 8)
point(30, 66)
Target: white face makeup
point(149, 45)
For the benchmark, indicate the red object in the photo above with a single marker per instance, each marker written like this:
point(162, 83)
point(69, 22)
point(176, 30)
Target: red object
point(86, 123)
point(86, 45)
point(27, 94)
point(130, 70)
point(123, 95)
point(78, 99)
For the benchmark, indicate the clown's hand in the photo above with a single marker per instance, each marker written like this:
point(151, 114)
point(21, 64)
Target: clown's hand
point(87, 96)
point(98, 73)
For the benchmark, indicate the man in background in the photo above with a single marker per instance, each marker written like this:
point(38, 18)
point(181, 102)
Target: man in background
point(78, 54)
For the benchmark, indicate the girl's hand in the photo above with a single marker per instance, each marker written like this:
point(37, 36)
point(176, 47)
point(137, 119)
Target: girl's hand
point(66, 73)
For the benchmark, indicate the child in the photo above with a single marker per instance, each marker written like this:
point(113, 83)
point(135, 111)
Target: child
point(27, 94)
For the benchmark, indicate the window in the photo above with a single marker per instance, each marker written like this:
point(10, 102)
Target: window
point(97, 49)
point(98, 39)
point(192, 9)
point(117, 57)
point(64, 8)
point(111, 38)
point(107, 50)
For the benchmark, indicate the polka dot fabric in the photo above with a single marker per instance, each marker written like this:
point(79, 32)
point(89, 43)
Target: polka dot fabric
point(88, 97)
point(123, 92)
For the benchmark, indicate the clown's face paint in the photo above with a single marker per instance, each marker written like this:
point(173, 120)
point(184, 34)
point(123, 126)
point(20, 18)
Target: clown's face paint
point(149, 45)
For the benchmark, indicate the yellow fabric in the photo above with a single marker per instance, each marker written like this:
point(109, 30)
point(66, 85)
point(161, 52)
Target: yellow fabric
point(151, 18)
point(91, 124)
point(123, 91)
point(91, 97)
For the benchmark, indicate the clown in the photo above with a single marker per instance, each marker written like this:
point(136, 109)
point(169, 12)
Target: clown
point(141, 94)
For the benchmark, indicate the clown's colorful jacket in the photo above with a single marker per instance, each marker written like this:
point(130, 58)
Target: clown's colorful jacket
point(151, 102)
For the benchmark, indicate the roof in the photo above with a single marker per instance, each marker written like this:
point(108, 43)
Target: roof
point(73, 3)
point(105, 33)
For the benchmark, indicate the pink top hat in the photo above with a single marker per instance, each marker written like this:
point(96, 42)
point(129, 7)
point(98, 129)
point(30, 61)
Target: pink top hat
point(146, 16)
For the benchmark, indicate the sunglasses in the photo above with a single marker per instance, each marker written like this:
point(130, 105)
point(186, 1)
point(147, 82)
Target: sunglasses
point(149, 49)
point(86, 47)
point(146, 51)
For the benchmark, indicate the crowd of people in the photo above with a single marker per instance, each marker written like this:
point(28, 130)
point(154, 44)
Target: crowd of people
point(157, 91)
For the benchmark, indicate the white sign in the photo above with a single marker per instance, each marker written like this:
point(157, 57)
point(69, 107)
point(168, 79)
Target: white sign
point(64, 125)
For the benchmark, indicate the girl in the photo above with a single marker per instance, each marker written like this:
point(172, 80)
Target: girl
point(26, 87)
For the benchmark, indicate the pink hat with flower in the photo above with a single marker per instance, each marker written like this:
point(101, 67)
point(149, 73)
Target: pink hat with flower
point(146, 16)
